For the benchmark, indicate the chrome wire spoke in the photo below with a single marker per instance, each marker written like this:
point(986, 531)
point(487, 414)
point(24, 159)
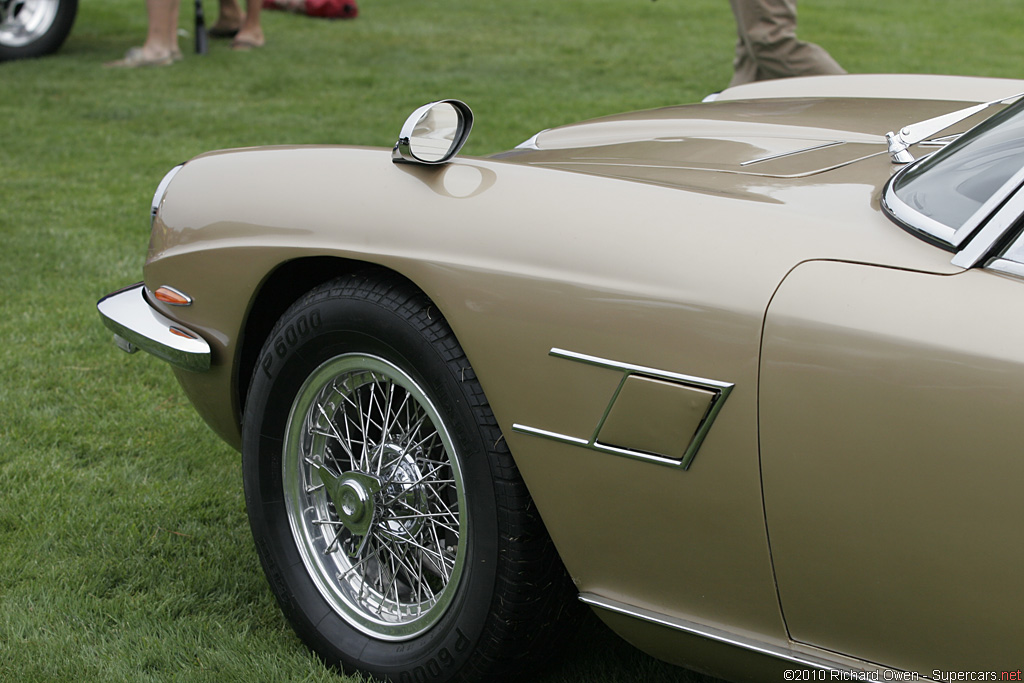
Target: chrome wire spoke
point(362, 414)
point(390, 414)
point(450, 529)
point(346, 398)
point(421, 444)
point(333, 546)
point(397, 557)
point(413, 424)
point(401, 535)
point(422, 482)
point(333, 433)
point(406, 540)
point(354, 568)
point(421, 515)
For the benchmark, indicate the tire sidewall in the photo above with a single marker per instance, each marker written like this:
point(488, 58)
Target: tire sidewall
point(311, 333)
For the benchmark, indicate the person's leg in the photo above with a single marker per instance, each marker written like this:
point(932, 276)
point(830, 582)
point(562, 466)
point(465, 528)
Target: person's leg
point(229, 19)
point(767, 29)
point(163, 28)
point(161, 37)
point(175, 50)
point(744, 65)
point(251, 33)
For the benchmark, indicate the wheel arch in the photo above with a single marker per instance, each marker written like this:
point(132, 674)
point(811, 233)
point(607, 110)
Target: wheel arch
point(279, 290)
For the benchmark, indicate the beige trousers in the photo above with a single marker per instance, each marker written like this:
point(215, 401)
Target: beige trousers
point(767, 46)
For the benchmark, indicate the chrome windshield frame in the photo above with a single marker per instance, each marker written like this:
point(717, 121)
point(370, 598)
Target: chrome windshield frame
point(954, 238)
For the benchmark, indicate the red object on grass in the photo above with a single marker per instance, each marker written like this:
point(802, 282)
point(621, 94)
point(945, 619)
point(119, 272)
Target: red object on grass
point(327, 9)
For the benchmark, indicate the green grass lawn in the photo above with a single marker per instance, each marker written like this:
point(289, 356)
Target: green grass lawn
point(125, 553)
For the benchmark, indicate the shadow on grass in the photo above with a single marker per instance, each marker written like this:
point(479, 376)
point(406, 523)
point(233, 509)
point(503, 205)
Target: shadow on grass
point(596, 654)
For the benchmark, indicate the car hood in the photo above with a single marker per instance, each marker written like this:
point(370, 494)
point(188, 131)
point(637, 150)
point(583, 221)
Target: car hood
point(721, 147)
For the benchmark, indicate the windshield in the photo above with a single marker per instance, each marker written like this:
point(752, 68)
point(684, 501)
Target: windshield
point(949, 193)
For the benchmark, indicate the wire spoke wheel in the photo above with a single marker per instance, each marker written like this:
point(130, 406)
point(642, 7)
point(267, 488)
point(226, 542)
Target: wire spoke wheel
point(374, 496)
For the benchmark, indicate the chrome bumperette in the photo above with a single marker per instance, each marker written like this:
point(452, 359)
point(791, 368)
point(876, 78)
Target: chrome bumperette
point(137, 325)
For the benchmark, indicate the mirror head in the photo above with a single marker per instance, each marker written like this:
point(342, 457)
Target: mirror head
point(434, 133)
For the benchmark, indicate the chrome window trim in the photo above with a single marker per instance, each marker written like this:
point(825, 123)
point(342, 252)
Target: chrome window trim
point(994, 231)
point(720, 389)
point(842, 672)
point(908, 216)
point(954, 237)
point(1007, 267)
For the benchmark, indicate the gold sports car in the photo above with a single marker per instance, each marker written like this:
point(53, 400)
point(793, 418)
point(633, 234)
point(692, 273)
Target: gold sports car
point(744, 377)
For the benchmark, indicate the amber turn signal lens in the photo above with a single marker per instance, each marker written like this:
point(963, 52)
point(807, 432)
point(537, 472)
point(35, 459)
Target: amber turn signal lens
point(171, 296)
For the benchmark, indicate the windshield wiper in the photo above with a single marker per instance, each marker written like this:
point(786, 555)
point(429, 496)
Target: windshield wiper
point(919, 132)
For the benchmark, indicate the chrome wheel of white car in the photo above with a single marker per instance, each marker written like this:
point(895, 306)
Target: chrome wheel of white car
point(387, 512)
point(31, 28)
point(374, 495)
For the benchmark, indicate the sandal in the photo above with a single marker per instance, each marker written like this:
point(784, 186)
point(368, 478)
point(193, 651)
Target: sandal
point(244, 44)
point(135, 57)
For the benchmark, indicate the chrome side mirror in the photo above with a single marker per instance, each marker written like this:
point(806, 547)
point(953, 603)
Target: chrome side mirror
point(434, 133)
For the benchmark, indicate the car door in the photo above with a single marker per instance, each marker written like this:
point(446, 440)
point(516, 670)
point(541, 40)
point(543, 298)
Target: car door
point(891, 424)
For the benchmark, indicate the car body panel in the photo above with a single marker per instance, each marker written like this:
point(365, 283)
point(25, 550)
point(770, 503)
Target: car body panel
point(879, 86)
point(885, 556)
point(236, 224)
point(514, 289)
point(732, 147)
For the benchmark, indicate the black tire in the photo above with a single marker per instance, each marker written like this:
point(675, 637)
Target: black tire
point(34, 28)
point(476, 591)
